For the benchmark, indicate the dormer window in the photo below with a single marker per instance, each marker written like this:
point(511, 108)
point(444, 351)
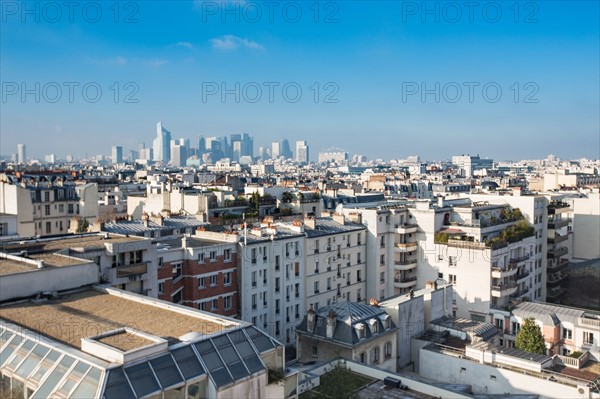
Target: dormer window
point(360, 329)
point(374, 326)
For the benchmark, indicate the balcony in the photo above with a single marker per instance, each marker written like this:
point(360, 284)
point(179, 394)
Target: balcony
point(586, 321)
point(403, 266)
point(519, 293)
point(558, 207)
point(518, 259)
point(405, 282)
point(557, 224)
point(132, 270)
point(555, 292)
point(501, 273)
point(560, 265)
point(522, 275)
point(555, 278)
point(504, 290)
point(557, 238)
point(406, 229)
point(407, 247)
point(557, 252)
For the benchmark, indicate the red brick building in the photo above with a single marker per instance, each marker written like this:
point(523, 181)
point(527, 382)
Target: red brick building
point(200, 272)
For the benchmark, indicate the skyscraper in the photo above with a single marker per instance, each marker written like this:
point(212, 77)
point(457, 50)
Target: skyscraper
point(21, 153)
point(179, 152)
point(275, 150)
point(285, 150)
point(162, 144)
point(302, 154)
point(117, 154)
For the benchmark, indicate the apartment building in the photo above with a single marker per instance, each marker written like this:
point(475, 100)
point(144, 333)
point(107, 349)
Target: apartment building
point(391, 239)
point(486, 251)
point(566, 330)
point(46, 208)
point(127, 263)
point(359, 332)
point(200, 271)
point(335, 261)
point(271, 278)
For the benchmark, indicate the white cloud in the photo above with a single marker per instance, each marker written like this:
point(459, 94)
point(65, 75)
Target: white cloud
point(231, 42)
point(187, 45)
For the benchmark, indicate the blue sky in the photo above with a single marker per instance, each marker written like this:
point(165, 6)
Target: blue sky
point(373, 59)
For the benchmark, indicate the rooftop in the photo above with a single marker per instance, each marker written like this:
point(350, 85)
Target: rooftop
point(12, 266)
point(326, 226)
point(64, 242)
point(85, 313)
point(550, 314)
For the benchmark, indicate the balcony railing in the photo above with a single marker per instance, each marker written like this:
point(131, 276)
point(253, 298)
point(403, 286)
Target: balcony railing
point(406, 247)
point(518, 259)
point(562, 263)
point(132, 270)
point(557, 238)
point(557, 252)
point(557, 224)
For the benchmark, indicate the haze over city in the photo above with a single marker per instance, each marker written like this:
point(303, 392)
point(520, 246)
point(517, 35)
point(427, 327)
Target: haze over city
point(373, 65)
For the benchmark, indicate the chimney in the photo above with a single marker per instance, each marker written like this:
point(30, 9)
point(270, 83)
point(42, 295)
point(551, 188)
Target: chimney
point(431, 285)
point(310, 223)
point(330, 324)
point(310, 320)
point(40, 264)
point(339, 218)
point(440, 201)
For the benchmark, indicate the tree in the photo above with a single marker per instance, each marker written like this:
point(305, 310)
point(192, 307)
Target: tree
point(530, 338)
point(82, 225)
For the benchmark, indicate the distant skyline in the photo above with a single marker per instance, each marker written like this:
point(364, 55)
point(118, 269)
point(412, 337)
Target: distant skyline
point(370, 57)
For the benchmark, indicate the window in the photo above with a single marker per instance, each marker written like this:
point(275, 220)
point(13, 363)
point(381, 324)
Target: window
point(213, 280)
point(452, 261)
point(177, 296)
point(315, 351)
point(358, 258)
point(316, 287)
point(358, 239)
point(588, 338)
point(46, 196)
point(375, 355)
point(201, 282)
point(227, 278)
point(161, 288)
point(214, 305)
point(201, 257)
point(253, 301)
point(176, 270)
point(382, 242)
point(387, 350)
point(363, 357)
point(452, 278)
point(160, 262)
point(48, 227)
point(254, 279)
point(567, 333)
point(374, 327)
point(316, 246)
point(382, 277)
point(227, 302)
point(316, 267)
point(202, 306)
point(358, 278)
point(3, 229)
point(47, 210)
point(277, 265)
point(227, 255)
point(61, 208)
point(213, 256)
point(297, 269)
point(253, 255)
point(70, 208)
